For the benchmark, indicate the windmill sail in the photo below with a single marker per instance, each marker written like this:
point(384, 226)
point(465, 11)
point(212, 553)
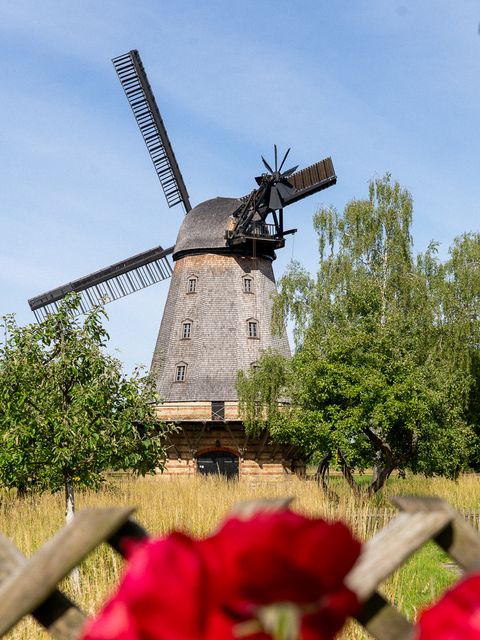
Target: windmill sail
point(111, 283)
point(276, 191)
point(139, 94)
point(308, 181)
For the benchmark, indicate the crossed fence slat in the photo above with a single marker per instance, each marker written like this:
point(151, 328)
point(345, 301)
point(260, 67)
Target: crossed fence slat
point(29, 586)
point(421, 519)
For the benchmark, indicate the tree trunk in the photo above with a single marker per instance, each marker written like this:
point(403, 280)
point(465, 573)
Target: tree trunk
point(69, 515)
point(69, 499)
point(22, 491)
point(377, 467)
point(385, 462)
point(321, 476)
point(380, 476)
point(347, 474)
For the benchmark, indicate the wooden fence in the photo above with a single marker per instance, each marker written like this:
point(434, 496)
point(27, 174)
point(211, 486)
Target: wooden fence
point(375, 518)
point(29, 586)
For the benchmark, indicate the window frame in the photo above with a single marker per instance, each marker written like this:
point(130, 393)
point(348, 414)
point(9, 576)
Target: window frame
point(180, 372)
point(253, 332)
point(218, 410)
point(249, 288)
point(192, 282)
point(186, 323)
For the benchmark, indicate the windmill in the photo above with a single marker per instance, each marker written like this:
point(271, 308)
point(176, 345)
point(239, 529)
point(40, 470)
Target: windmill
point(217, 317)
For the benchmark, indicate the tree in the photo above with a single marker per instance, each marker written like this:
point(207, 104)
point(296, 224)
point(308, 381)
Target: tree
point(373, 377)
point(260, 392)
point(265, 403)
point(462, 316)
point(67, 412)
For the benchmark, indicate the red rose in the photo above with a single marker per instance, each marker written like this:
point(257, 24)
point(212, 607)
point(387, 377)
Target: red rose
point(161, 595)
point(456, 616)
point(331, 615)
point(280, 557)
point(182, 589)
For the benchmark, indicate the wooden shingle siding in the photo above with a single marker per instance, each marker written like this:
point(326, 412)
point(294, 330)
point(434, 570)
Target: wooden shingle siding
point(219, 311)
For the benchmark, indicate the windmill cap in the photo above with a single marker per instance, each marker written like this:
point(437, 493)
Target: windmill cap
point(203, 228)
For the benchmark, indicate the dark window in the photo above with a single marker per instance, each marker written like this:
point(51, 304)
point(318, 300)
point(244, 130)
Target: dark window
point(180, 373)
point(192, 285)
point(252, 329)
point(248, 285)
point(218, 462)
point(218, 410)
point(186, 330)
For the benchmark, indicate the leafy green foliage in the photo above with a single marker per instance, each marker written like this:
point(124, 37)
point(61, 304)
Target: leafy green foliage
point(260, 392)
point(462, 317)
point(67, 412)
point(387, 344)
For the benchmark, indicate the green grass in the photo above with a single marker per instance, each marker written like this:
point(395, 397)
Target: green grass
point(421, 580)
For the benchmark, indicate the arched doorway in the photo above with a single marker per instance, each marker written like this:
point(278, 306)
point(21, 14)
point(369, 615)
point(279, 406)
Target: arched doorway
point(222, 463)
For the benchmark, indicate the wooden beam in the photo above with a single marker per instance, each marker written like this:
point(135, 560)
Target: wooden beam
point(244, 447)
point(389, 549)
point(197, 441)
point(459, 539)
point(383, 621)
point(171, 442)
point(380, 557)
point(234, 440)
point(58, 614)
point(189, 442)
point(37, 578)
point(262, 446)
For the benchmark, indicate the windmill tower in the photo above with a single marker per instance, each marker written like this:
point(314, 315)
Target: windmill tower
point(217, 318)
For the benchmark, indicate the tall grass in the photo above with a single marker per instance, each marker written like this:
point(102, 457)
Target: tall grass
point(196, 505)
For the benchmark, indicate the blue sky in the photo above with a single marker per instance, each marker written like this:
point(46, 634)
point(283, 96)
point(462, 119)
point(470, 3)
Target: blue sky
point(379, 85)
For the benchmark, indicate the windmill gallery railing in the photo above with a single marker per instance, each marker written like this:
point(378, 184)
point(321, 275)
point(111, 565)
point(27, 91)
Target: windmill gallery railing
point(29, 586)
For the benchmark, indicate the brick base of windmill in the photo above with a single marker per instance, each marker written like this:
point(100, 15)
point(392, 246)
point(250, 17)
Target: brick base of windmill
point(211, 439)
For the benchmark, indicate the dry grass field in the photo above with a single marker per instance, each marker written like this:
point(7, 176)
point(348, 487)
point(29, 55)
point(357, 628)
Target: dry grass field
point(197, 505)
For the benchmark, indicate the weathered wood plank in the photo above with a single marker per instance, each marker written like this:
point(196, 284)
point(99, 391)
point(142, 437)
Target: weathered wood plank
point(245, 509)
point(59, 615)
point(131, 529)
point(412, 504)
point(37, 577)
point(380, 557)
point(383, 621)
point(460, 540)
point(384, 553)
point(62, 620)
